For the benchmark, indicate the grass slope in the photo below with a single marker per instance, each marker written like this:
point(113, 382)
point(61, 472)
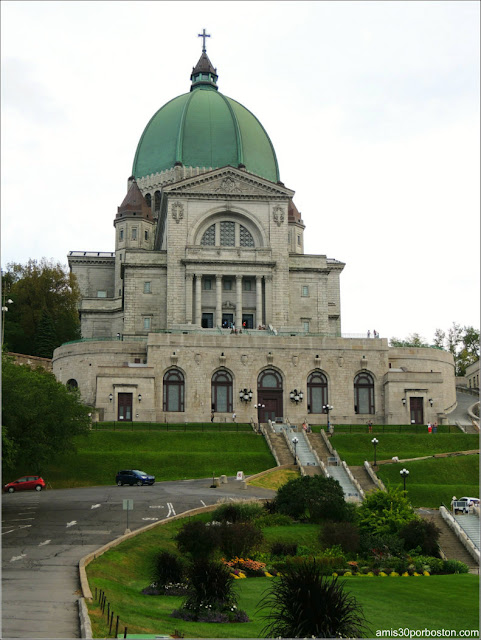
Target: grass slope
point(168, 456)
point(435, 602)
point(435, 480)
point(356, 448)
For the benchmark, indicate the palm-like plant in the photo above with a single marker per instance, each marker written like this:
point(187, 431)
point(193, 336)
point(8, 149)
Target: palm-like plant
point(303, 604)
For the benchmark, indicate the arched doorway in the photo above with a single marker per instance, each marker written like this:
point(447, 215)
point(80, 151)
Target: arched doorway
point(269, 394)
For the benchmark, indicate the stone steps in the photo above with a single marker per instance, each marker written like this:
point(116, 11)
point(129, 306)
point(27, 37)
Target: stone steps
point(364, 479)
point(470, 524)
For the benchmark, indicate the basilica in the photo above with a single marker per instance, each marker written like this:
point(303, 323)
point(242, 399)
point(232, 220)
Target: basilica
point(209, 306)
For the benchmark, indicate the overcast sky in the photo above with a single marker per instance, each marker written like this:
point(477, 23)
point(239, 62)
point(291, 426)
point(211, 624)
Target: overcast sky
point(372, 107)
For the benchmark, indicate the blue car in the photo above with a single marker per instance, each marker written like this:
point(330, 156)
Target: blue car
point(133, 476)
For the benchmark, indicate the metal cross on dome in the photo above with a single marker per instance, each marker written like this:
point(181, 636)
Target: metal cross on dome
point(203, 35)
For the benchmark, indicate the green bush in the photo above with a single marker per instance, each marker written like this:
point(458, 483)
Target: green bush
point(384, 512)
point(314, 497)
point(454, 566)
point(345, 534)
point(281, 548)
point(421, 533)
point(239, 538)
point(428, 563)
point(210, 587)
point(273, 520)
point(303, 603)
point(381, 546)
point(167, 568)
point(238, 512)
point(197, 539)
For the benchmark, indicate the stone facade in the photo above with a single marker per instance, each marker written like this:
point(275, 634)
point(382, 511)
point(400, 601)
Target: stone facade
point(209, 292)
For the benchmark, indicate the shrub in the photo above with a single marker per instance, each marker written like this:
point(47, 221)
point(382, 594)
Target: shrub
point(428, 563)
point(281, 548)
point(167, 568)
point(304, 603)
point(198, 540)
point(384, 512)
point(381, 545)
point(242, 511)
point(345, 534)
point(239, 538)
point(273, 520)
point(454, 566)
point(421, 533)
point(314, 497)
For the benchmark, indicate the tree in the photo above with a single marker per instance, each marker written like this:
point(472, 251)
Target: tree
point(314, 497)
point(384, 512)
point(40, 415)
point(413, 340)
point(303, 603)
point(38, 289)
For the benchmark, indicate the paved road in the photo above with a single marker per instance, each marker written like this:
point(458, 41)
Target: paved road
point(45, 534)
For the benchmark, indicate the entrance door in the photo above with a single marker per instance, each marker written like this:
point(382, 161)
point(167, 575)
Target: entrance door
point(207, 320)
point(227, 320)
point(125, 407)
point(417, 413)
point(269, 393)
point(248, 318)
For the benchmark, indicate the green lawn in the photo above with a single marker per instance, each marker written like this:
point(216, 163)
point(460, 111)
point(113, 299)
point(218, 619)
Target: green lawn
point(168, 456)
point(435, 480)
point(435, 602)
point(355, 448)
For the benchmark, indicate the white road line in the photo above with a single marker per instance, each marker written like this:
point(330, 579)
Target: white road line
point(70, 524)
point(14, 558)
point(149, 518)
point(203, 503)
point(5, 532)
point(24, 526)
point(21, 519)
point(95, 506)
point(171, 511)
point(156, 506)
point(41, 544)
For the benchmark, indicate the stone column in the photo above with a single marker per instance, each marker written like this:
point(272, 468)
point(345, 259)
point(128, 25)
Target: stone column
point(188, 297)
point(238, 308)
point(198, 299)
point(268, 280)
point(258, 301)
point(218, 300)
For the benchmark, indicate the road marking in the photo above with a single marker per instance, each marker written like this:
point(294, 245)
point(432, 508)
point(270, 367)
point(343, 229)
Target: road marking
point(24, 526)
point(14, 558)
point(203, 503)
point(41, 544)
point(149, 518)
point(156, 506)
point(171, 511)
point(21, 519)
point(70, 524)
point(4, 532)
point(95, 506)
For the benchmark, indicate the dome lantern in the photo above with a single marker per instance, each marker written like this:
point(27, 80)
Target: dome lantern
point(204, 74)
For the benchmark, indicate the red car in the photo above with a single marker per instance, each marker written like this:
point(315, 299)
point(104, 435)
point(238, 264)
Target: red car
point(25, 482)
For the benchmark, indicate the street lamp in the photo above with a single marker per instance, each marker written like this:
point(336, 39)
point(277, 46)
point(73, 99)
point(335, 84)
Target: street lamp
point(404, 474)
point(4, 311)
point(296, 396)
point(327, 408)
point(294, 442)
point(375, 442)
point(259, 407)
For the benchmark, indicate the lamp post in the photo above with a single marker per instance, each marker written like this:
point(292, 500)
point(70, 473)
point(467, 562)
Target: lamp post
point(245, 396)
point(4, 311)
point(375, 442)
point(327, 408)
point(294, 442)
point(404, 474)
point(259, 407)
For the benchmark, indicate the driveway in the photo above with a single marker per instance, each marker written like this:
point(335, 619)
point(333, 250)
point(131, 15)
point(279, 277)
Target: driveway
point(45, 534)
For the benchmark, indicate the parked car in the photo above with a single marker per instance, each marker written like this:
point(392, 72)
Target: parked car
point(134, 476)
point(24, 483)
point(472, 502)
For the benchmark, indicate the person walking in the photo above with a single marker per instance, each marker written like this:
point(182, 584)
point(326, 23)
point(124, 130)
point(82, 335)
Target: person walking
point(212, 416)
point(233, 417)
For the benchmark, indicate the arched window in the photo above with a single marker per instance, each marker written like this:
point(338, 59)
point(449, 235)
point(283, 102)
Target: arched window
point(148, 199)
point(269, 379)
point(246, 239)
point(72, 383)
point(316, 392)
point(157, 201)
point(364, 393)
point(227, 234)
point(208, 239)
point(174, 391)
point(222, 392)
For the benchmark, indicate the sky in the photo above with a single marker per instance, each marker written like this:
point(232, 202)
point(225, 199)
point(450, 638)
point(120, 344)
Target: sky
point(373, 109)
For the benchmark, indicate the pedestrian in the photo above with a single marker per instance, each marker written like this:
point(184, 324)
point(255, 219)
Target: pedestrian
point(430, 428)
point(212, 416)
point(369, 333)
point(369, 425)
point(304, 426)
point(375, 334)
point(233, 417)
point(435, 427)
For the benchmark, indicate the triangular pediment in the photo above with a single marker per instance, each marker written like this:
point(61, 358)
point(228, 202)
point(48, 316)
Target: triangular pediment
point(228, 182)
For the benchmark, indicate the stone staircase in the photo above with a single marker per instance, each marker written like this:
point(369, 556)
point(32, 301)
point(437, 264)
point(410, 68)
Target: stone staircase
point(319, 446)
point(279, 444)
point(470, 525)
point(334, 470)
point(364, 479)
point(450, 546)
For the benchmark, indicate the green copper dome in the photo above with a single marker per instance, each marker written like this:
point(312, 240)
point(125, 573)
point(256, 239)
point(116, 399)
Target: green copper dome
point(204, 128)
